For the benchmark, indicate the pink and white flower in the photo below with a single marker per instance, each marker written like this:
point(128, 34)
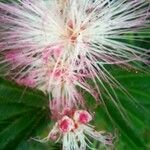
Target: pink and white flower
point(63, 43)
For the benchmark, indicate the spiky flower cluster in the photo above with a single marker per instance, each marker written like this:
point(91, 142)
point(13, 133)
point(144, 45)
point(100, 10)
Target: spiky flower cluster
point(59, 45)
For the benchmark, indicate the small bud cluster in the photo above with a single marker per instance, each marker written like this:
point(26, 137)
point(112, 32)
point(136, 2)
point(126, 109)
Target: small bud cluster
point(67, 124)
point(75, 127)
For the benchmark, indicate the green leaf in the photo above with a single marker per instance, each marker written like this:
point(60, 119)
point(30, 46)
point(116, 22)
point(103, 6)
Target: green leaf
point(12, 93)
point(129, 109)
point(22, 113)
point(10, 110)
point(137, 100)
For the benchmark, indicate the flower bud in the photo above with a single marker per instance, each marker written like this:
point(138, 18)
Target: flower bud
point(82, 116)
point(66, 124)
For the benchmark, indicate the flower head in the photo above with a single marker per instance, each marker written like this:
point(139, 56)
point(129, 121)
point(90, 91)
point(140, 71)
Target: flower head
point(61, 44)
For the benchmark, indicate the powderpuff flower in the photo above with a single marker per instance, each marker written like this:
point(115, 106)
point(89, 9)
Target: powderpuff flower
point(74, 131)
point(59, 44)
